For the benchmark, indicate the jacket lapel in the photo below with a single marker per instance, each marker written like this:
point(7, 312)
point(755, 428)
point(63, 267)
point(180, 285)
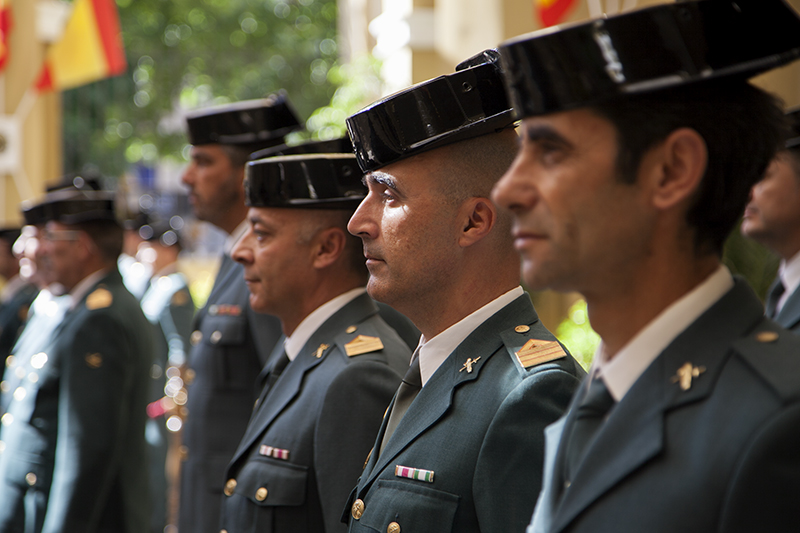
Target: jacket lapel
point(288, 385)
point(633, 433)
point(436, 396)
point(789, 315)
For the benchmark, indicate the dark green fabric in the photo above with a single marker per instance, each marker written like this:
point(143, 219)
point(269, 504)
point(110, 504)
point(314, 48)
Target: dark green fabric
point(79, 426)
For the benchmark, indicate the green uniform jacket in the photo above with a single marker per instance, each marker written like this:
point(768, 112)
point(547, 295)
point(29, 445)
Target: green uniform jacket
point(323, 412)
point(13, 315)
point(479, 434)
point(718, 457)
point(231, 344)
point(74, 457)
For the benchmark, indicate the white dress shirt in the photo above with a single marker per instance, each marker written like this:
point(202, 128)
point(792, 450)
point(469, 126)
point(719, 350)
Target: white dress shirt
point(432, 353)
point(789, 272)
point(294, 343)
point(621, 372)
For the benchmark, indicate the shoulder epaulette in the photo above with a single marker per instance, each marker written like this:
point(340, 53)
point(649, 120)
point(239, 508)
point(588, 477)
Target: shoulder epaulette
point(529, 350)
point(99, 299)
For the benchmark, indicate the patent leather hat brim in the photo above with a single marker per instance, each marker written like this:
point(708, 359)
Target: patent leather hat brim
point(563, 68)
point(311, 181)
point(266, 121)
point(468, 103)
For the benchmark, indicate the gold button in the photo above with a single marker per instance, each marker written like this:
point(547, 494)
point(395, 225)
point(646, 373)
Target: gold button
point(261, 494)
point(229, 487)
point(212, 309)
point(215, 337)
point(223, 531)
point(196, 337)
point(30, 477)
point(767, 336)
point(358, 509)
point(183, 452)
point(394, 527)
point(351, 329)
point(522, 329)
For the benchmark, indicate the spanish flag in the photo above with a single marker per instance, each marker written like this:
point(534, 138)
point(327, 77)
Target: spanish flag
point(90, 48)
point(5, 27)
point(552, 12)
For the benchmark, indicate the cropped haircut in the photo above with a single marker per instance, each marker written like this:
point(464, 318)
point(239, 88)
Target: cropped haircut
point(742, 126)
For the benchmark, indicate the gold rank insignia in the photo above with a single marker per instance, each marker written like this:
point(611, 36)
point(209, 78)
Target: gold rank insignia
point(180, 298)
point(686, 373)
point(94, 360)
point(321, 350)
point(535, 352)
point(363, 344)
point(99, 299)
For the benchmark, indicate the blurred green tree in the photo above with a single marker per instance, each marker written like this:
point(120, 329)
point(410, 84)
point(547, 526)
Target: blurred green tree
point(187, 53)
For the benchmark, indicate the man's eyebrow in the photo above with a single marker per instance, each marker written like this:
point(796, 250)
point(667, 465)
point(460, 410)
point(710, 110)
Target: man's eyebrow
point(380, 178)
point(543, 132)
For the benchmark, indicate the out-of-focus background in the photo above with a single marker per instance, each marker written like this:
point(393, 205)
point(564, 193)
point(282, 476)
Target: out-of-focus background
point(331, 57)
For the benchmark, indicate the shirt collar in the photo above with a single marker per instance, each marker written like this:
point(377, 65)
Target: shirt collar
point(79, 291)
point(234, 237)
point(432, 353)
point(621, 372)
point(315, 319)
point(789, 273)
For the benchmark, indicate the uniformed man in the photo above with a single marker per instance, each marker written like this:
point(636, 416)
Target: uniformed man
point(16, 296)
point(231, 343)
point(461, 446)
point(331, 378)
point(167, 304)
point(73, 454)
point(342, 145)
point(47, 309)
point(641, 140)
point(772, 217)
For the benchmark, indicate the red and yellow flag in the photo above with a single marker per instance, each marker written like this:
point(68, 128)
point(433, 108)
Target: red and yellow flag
point(90, 48)
point(552, 12)
point(5, 27)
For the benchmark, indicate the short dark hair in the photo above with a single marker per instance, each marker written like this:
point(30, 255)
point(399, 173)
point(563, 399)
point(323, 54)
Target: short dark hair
point(239, 155)
point(742, 126)
point(107, 235)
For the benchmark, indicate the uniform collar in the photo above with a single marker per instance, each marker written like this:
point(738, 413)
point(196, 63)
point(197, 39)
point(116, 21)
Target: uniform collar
point(621, 372)
point(789, 272)
point(79, 291)
point(313, 321)
point(432, 353)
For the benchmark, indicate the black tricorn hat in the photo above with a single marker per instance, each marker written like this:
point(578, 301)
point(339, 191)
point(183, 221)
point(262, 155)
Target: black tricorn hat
point(342, 145)
point(72, 206)
point(252, 123)
point(311, 181)
point(441, 111)
point(793, 115)
point(642, 51)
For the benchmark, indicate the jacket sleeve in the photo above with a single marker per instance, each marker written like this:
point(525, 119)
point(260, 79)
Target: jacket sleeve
point(97, 373)
point(346, 429)
point(765, 487)
point(508, 474)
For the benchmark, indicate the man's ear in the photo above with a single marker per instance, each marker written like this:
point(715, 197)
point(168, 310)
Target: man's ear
point(680, 164)
point(479, 216)
point(328, 245)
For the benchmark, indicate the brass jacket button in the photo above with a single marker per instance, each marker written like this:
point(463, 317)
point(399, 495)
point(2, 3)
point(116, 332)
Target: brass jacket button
point(394, 527)
point(230, 485)
point(358, 509)
point(261, 494)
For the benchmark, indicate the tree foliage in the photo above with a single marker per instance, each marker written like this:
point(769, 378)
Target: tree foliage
point(187, 53)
